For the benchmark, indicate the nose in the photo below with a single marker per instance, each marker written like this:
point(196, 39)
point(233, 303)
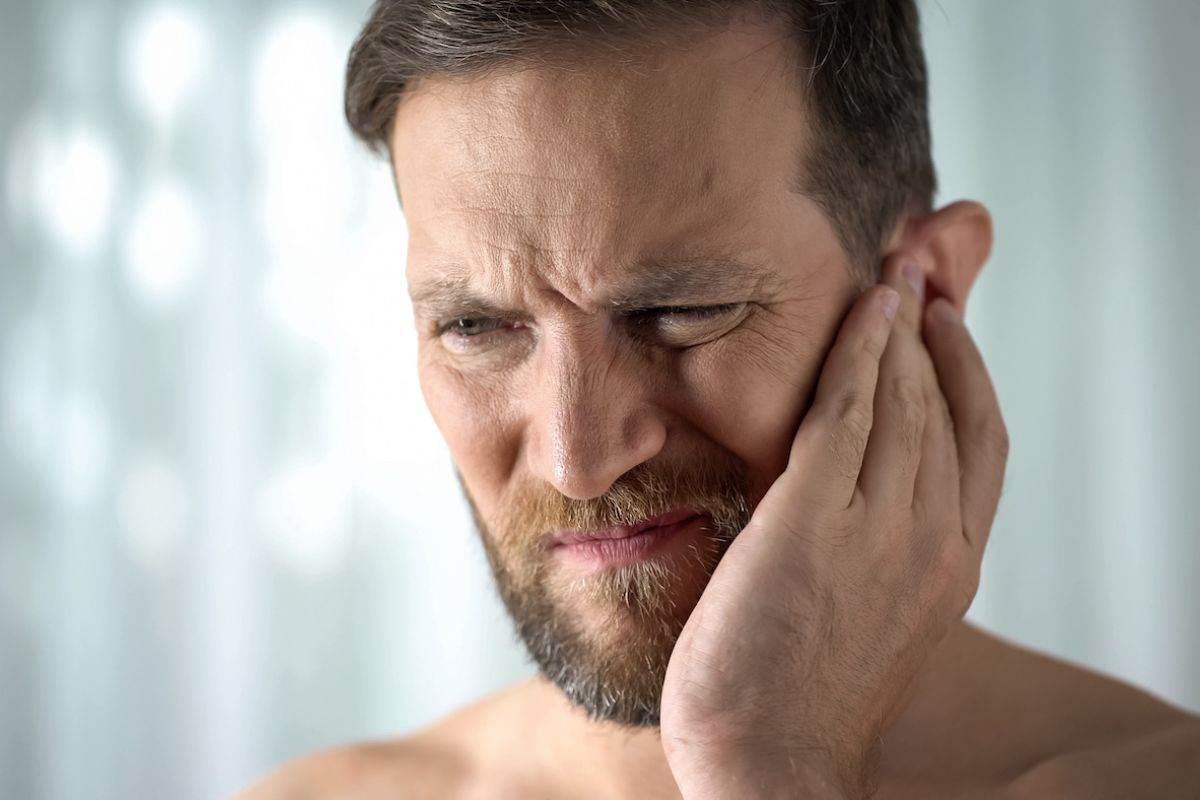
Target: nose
point(592, 418)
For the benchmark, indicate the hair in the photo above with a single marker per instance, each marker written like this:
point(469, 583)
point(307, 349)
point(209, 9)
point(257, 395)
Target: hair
point(869, 161)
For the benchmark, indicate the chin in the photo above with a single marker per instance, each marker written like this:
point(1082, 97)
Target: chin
point(656, 595)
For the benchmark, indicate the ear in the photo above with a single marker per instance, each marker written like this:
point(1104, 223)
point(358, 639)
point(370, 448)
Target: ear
point(950, 245)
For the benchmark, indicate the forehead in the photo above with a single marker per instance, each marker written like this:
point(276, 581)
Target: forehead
point(573, 172)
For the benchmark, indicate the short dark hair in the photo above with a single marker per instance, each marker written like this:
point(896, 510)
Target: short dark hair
point(870, 161)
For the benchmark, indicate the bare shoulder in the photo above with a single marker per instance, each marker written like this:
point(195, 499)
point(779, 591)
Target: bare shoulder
point(1162, 762)
point(1082, 734)
point(449, 759)
point(411, 767)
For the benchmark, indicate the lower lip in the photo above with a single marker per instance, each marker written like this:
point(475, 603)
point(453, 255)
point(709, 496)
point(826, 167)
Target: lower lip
point(601, 553)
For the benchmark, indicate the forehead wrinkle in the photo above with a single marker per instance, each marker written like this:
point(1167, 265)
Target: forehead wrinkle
point(648, 282)
point(504, 280)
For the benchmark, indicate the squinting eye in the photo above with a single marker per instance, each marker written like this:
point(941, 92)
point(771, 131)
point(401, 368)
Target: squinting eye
point(687, 326)
point(696, 312)
point(685, 315)
point(470, 326)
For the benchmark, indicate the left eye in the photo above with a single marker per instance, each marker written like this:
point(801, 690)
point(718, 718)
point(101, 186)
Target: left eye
point(686, 326)
point(685, 314)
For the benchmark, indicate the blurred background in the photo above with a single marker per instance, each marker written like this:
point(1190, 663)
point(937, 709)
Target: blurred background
point(229, 533)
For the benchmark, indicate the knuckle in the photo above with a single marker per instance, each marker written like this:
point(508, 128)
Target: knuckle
point(949, 566)
point(951, 576)
point(1001, 441)
point(992, 435)
point(854, 413)
point(904, 390)
point(905, 395)
point(873, 348)
point(846, 445)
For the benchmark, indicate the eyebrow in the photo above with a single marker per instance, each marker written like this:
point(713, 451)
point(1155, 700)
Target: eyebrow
point(654, 282)
point(662, 282)
point(451, 297)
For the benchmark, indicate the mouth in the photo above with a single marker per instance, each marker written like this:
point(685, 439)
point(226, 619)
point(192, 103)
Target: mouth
point(628, 544)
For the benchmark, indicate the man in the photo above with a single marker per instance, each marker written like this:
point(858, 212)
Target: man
point(693, 333)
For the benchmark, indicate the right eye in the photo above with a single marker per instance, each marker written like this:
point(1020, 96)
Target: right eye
point(477, 335)
point(469, 327)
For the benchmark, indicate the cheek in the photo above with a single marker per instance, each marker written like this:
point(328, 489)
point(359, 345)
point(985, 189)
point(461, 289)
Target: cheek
point(474, 421)
point(750, 395)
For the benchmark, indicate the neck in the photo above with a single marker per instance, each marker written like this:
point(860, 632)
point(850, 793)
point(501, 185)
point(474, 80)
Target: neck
point(612, 760)
point(615, 761)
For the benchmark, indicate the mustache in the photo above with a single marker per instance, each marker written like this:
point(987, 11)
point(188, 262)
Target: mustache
point(714, 486)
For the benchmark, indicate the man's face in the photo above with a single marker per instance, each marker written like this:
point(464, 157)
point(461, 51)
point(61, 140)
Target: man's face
point(623, 308)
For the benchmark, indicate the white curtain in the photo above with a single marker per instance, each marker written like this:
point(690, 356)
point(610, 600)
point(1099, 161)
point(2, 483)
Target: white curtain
point(228, 532)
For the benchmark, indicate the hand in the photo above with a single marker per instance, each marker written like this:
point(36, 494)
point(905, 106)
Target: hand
point(855, 566)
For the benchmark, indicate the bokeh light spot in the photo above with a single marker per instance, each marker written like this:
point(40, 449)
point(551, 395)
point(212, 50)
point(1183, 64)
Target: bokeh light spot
point(75, 183)
point(162, 247)
point(297, 80)
point(305, 516)
point(166, 54)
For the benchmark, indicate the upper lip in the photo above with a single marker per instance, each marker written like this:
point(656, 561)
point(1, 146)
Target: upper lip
point(566, 537)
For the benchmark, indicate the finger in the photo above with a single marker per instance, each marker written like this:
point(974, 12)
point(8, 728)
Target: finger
point(980, 435)
point(936, 486)
point(893, 455)
point(829, 445)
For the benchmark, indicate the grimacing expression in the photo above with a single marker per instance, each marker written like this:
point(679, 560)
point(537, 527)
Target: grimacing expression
point(623, 307)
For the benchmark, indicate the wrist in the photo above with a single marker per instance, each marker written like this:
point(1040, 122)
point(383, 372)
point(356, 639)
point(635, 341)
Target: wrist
point(768, 774)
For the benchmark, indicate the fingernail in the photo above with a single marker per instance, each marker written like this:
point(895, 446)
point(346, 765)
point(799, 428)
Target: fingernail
point(915, 278)
point(944, 311)
point(889, 301)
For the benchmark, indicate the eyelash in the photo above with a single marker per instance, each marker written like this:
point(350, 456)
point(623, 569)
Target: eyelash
point(694, 312)
point(447, 327)
point(641, 316)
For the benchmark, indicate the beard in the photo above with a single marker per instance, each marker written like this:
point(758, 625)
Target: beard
point(604, 638)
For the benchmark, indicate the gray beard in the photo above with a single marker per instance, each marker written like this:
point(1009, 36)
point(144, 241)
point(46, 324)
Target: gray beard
point(614, 673)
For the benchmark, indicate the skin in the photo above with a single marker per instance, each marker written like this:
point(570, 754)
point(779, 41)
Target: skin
point(826, 656)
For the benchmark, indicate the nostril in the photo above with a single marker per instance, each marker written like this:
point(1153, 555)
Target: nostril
point(644, 435)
